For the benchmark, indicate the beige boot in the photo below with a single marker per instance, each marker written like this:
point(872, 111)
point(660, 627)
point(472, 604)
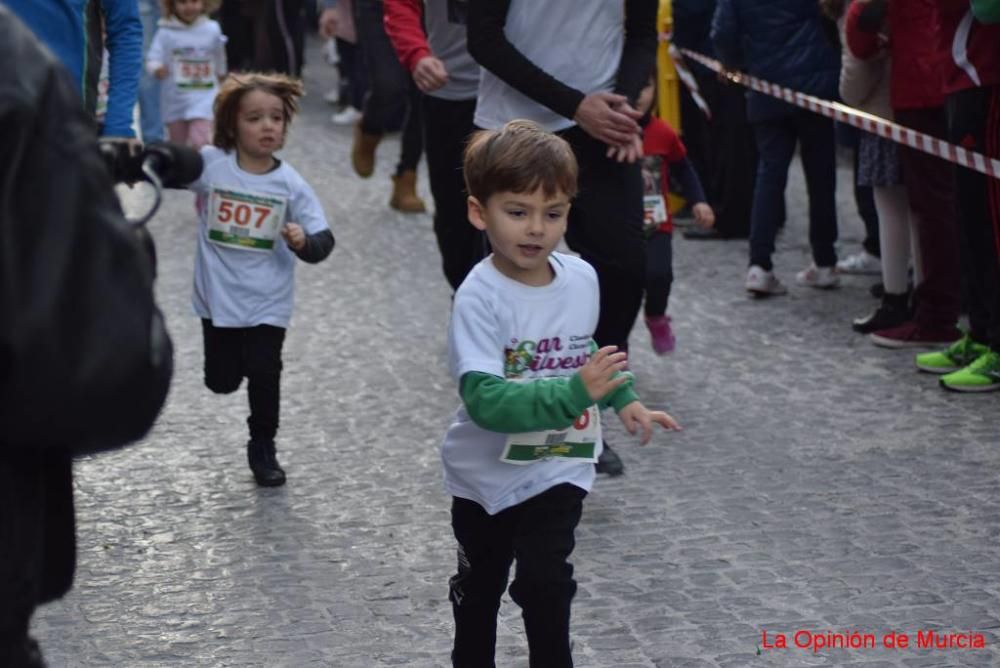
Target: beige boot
point(363, 151)
point(404, 193)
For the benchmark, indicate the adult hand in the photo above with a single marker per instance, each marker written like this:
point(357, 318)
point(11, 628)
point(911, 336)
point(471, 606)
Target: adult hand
point(629, 152)
point(608, 118)
point(328, 23)
point(430, 74)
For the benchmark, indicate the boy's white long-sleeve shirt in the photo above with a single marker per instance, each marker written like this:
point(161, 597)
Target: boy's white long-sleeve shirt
point(195, 57)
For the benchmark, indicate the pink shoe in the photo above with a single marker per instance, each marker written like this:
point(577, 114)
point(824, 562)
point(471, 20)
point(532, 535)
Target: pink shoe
point(661, 334)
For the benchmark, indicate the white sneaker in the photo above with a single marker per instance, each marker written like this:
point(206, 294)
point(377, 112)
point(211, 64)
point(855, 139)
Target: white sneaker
point(348, 116)
point(762, 283)
point(818, 277)
point(860, 263)
point(333, 97)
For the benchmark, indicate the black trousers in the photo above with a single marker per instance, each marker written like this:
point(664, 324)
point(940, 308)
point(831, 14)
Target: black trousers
point(605, 228)
point(447, 126)
point(731, 155)
point(539, 533)
point(37, 539)
point(254, 353)
point(264, 35)
point(391, 90)
point(659, 272)
point(930, 186)
point(975, 114)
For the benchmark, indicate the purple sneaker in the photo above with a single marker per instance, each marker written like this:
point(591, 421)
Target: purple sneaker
point(661, 334)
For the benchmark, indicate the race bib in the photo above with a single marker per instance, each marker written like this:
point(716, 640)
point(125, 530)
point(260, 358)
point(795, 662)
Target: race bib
point(578, 443)
point(654, 209)
point(244, 220)
point(193, 73)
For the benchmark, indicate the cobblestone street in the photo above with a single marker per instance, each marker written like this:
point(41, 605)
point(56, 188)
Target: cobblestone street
point(819, 484)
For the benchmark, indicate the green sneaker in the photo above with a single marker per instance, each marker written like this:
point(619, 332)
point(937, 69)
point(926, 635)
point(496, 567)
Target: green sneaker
point(983, 375)
point(957, 356)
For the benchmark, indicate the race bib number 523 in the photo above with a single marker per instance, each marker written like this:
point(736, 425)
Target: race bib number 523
point(243, 220)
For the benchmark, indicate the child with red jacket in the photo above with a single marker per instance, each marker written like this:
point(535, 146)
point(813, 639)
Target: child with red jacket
point(661, 149)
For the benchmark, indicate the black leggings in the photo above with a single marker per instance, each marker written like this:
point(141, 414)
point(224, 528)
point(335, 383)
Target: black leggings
point(232, 353)
point(659, 272)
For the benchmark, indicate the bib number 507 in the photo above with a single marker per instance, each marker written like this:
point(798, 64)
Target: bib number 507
point(242, 214)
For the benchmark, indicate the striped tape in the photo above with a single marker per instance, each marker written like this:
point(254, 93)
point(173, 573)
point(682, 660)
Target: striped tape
point(859, 119)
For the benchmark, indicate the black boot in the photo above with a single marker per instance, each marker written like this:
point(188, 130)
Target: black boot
point(609, 462)
point(264, 463)
point(893, 311)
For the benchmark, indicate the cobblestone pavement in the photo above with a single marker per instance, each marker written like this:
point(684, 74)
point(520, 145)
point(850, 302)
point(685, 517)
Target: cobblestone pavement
point(820, 483)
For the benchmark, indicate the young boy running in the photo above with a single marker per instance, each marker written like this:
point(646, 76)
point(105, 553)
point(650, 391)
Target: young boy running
point(518, 458)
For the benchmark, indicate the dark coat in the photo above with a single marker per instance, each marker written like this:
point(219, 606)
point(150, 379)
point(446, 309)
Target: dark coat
point(85, 360)
point(780, 41)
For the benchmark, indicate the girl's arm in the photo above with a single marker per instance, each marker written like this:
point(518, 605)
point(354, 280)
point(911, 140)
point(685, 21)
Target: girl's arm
point(306, 211)
point(317, 247)
point(155, 55)
point(221, 67)
point(690, 183)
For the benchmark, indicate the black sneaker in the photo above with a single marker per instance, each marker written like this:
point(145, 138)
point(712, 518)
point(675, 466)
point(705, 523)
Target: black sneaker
point(263, 460)
point(609, 462)
point(888, 315)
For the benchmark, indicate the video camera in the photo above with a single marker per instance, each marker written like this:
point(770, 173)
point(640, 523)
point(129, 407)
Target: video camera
point(162, 164)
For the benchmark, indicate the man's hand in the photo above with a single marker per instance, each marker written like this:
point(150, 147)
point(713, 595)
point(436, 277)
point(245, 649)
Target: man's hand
point(703, 214)
point(608, 118)
point(635, 415)
point(628, 152)
point(294, 236)
point(161, 72)
point(328, 23)
point(430, 74)
point(597, 373)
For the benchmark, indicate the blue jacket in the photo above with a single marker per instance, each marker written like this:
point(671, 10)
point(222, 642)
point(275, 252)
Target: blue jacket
point(72, 30)
point(780, 41)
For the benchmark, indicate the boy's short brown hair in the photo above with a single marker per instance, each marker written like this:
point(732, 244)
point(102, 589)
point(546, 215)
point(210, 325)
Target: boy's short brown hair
point(520, 157)
point(227, 102)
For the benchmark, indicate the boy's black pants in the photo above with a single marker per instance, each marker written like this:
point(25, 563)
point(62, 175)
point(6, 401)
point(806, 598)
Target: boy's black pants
point(232, 353)
point(539, 534)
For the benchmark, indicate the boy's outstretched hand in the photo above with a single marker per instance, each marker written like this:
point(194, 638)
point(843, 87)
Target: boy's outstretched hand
point(597, 373)
point(636, 415)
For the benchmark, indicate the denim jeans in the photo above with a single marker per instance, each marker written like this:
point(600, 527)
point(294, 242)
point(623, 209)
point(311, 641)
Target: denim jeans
point(150, 121)
point(776, 140)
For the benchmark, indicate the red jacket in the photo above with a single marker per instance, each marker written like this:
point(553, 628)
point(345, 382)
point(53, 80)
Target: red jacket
point(917, 67)
point(403, 26)
point(969, 49)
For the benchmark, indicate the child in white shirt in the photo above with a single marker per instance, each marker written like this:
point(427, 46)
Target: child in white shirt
point(247, 245)
point(519, 456)
point(188, 54)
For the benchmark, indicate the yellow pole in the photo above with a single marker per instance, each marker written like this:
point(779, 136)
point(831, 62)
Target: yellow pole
point(668, 103)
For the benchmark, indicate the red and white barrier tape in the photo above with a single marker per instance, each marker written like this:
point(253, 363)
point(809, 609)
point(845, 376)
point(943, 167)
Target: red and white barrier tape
point(684, 74)
point(859, 119)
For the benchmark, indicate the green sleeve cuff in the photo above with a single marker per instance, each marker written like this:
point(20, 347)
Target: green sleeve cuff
point(623, 395)
point(503, 406)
